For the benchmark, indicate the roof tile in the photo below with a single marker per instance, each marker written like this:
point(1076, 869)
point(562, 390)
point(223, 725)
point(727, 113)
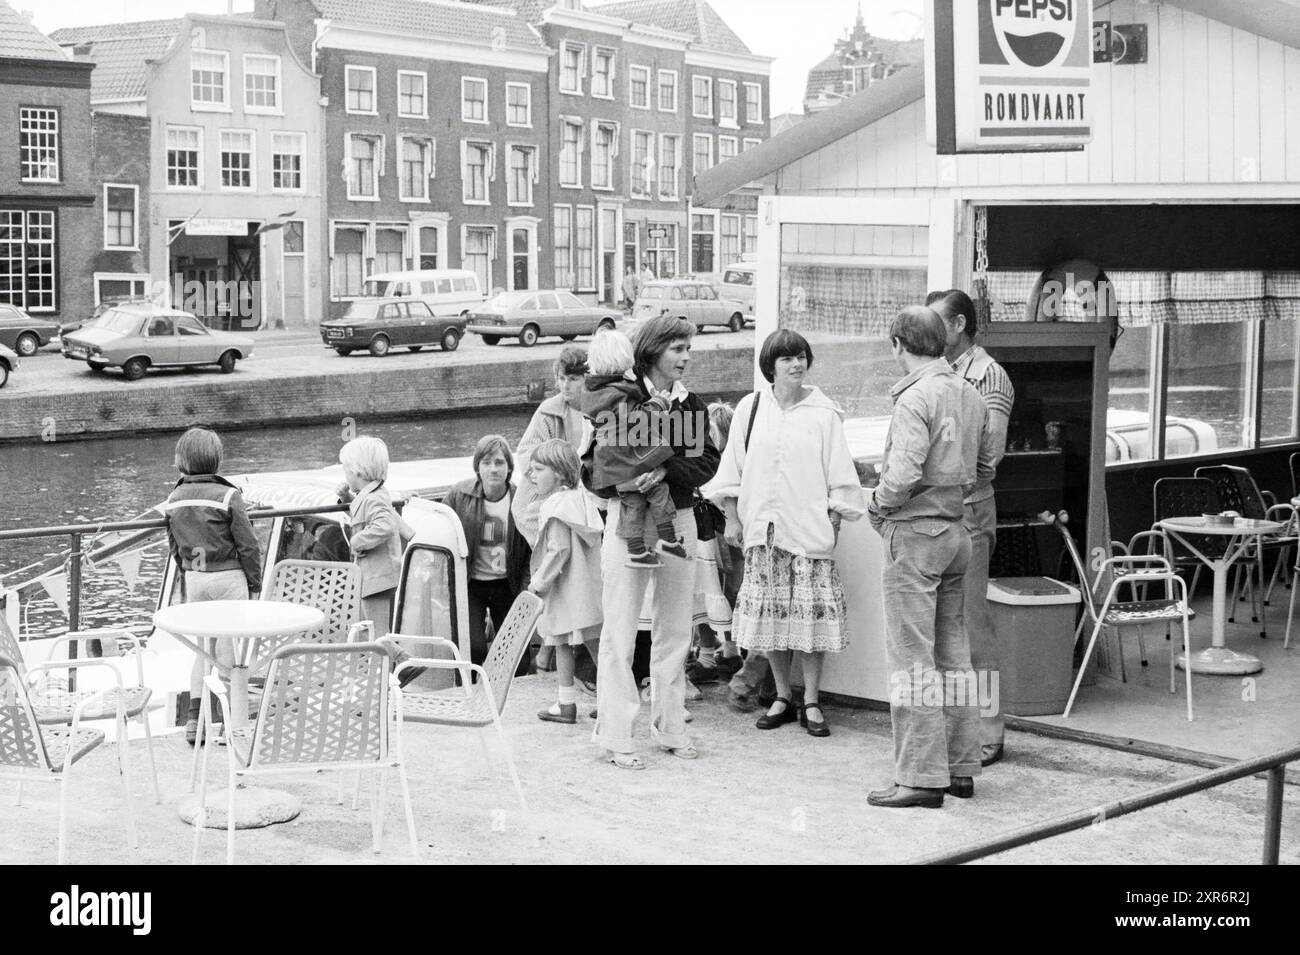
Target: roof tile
point(692, 17)
point(19, 39)
point(470, 23)
point(119, 52)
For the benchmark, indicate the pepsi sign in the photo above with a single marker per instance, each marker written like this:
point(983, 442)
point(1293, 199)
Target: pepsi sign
point(1008, 75)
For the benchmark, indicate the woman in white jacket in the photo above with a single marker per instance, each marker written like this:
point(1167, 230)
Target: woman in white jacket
point(785, 482)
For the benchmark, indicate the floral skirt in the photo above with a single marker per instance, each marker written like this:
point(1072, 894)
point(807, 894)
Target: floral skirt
point(787, 602)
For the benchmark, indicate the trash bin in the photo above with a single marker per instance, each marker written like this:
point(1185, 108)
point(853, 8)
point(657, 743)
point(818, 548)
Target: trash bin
point(1034, 619)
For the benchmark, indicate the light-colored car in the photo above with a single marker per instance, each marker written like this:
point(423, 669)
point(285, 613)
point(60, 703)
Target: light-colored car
point(23, 333)
point(138, 337)
point(449, 293)
point(738, 283)
point(690, 299)
point(379, 324)
point(538, 314)
point(8, 364)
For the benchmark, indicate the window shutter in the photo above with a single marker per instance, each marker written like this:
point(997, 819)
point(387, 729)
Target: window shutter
point(490, 161)
point(347, 162)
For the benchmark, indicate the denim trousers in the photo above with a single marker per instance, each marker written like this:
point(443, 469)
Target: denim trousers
point(618, 699)
point(981, 519)
point(935, 738)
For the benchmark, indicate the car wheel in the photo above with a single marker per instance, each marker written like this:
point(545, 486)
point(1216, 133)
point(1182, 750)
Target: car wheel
point(133, 369)
point(379, 346)
point(491, 339)
point(737, 322)
point(414, 348)
point(227, 362)
point(96, 366)
point(27, 344)
point(567, 338)
point(606, 326)
point(528, 337)
point(342, 350)
point(4, 374)
point(450, 340)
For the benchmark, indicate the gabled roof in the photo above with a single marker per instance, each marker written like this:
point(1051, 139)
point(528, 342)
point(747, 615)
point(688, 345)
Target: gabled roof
point(119, 52)
point(463, 22)
point(19, 39)
point(692, 17)
point(530, 10)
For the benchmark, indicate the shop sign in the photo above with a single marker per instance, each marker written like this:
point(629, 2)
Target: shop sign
point(1008, 75)
point(657, 232)
point(217, 227)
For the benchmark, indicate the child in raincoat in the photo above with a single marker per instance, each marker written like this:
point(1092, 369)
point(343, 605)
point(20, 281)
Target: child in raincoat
point(565, 567)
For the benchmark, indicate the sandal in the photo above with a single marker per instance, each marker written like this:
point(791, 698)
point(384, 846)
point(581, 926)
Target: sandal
point(684, 752)
point(626, 760)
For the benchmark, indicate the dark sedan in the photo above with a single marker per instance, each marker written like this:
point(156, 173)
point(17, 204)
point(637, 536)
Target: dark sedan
point(25, 334)
point(381, 324)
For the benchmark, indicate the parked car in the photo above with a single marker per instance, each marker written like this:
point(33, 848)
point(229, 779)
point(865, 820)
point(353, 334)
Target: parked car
point(539, 314)
point(738, 284)
point(68, 327)
point(138, 337)
point(1128, 436)
point(447, 292)
point(25, 334)
point(692, 300)
point(8, 364)
point(383, 323)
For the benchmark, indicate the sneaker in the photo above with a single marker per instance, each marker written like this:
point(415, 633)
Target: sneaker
point(700, 673)
point(646, 561)
point(672, 549)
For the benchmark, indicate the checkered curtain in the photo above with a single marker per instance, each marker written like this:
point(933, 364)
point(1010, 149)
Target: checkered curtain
point(1153, 298)
point(847, 300)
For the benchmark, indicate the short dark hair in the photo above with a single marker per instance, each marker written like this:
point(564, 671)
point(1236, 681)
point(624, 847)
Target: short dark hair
point(920, 330)
point(490, 444)
point(199, 452)
point(782, 343)
point(654, 337)
point(952, 303)
point(572, 361)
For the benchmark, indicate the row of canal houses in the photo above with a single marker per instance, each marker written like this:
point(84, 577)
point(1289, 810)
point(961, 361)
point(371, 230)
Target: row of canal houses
point(311, 143)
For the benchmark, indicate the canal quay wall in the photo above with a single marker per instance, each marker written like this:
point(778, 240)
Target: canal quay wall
point(314, 390)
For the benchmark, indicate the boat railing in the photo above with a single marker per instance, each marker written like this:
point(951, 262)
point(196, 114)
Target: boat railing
point(1272, 766)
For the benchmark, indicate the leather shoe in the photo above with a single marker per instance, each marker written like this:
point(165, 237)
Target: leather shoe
point(816, 728)
point(788, 715)
point(896, 797)
point(963, 787)
point(990, 754)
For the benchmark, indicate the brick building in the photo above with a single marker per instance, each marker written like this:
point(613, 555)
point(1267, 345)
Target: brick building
point(47, 191)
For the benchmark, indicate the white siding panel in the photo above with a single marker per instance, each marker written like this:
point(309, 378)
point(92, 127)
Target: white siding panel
point(1292, 85)
point(1196, 98)
point(1099, 152)
point(1273, 112)
point(1223, 151)
point(1168, 45)
point(1123, 105)
point(1245, 106)
point(1147, 106)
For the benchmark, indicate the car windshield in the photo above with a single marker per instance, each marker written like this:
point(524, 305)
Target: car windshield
point(738, 278)
point(508, 300)
point(115, 321)
point(653, 292)
point(362, 311)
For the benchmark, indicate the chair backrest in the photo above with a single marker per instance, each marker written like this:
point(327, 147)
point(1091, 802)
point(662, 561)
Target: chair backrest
point(1189, 497)
point(21, 744)
point(332, 588)
point(1236, 488)
point(324, 703)
point(1295, 474)
point(510, 643)
point(9, 645)
point(1059, 521)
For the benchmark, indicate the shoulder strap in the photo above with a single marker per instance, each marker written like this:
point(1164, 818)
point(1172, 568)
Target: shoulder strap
point(753, 413)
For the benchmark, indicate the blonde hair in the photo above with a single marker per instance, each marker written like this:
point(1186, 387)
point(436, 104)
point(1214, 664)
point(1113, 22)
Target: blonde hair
point(366, 457)
point(558, 455)
point(199, 452)
point(720, 415)
point(610, 353)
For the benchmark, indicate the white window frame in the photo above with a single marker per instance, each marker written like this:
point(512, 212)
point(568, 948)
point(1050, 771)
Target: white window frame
point(569, 279)
point(58, 136)
point(527, 88)
point(135, 217)
point(695, 138)
point(302, 163)
point(614, 127)
point(47, 252)
point(612, 53)
point(530, 149)
point(650, 94)
point(638, 177)
point(348, 70)
point(577, 249)
point(732, 122)
point(489, 171)
point(427, 146)
point(706, 79)
point(565, 47)
point(278, 108)
point(198, 153)
point(376, 168)
point(224, 105)
point(749, 143)
point(735, 142)
point(463, 100)
point(252, 159)
point(750, 120)
point(566, 123)
point(492, 249)
point(366, 231)
point(677, 169)
point(424, 94)
point(133, 277)
point(659, 103)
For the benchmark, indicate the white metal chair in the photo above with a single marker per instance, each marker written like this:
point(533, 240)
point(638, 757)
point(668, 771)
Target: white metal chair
point(481, 696)
point(41, 753)
point(1116, 614)
point(325, 707)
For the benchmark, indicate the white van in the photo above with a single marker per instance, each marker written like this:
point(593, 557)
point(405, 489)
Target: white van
point(738, 284)
point(449, 293)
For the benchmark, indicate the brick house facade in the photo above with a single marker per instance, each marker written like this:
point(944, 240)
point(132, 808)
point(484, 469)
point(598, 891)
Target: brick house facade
point(119, 267)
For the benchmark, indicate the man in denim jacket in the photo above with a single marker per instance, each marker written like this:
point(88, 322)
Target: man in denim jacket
point(933, 457)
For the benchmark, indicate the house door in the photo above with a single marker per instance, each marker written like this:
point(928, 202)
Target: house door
point(519, 258)
point(294, 267)
point(244, 306)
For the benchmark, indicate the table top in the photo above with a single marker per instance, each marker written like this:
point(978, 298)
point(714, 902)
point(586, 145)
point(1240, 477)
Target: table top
point(237, 619)
point(1238, 527)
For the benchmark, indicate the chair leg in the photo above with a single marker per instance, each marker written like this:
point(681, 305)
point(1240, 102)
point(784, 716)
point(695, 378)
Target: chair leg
point(63, 814)
point(1187, 651)
point(1258, 594)
point(153, 766)
point(201, 819)
point(410, 813)
point(510, 761)
point(1142, 648)
point(127, 793)
point(199, 738)
point(1083, 667)
point(356, 793)
point(1290, 612)
point(379, 796)
point(230, 816)
point(1119, 642)
point(1236, 594)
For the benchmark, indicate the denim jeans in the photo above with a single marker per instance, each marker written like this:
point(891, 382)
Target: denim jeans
point(925, 639)
point(981, 519)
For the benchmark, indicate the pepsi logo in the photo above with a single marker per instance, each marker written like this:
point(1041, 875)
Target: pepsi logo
point(1036, 33)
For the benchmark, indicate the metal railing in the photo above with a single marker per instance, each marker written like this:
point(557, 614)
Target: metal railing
point(1272, 766)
